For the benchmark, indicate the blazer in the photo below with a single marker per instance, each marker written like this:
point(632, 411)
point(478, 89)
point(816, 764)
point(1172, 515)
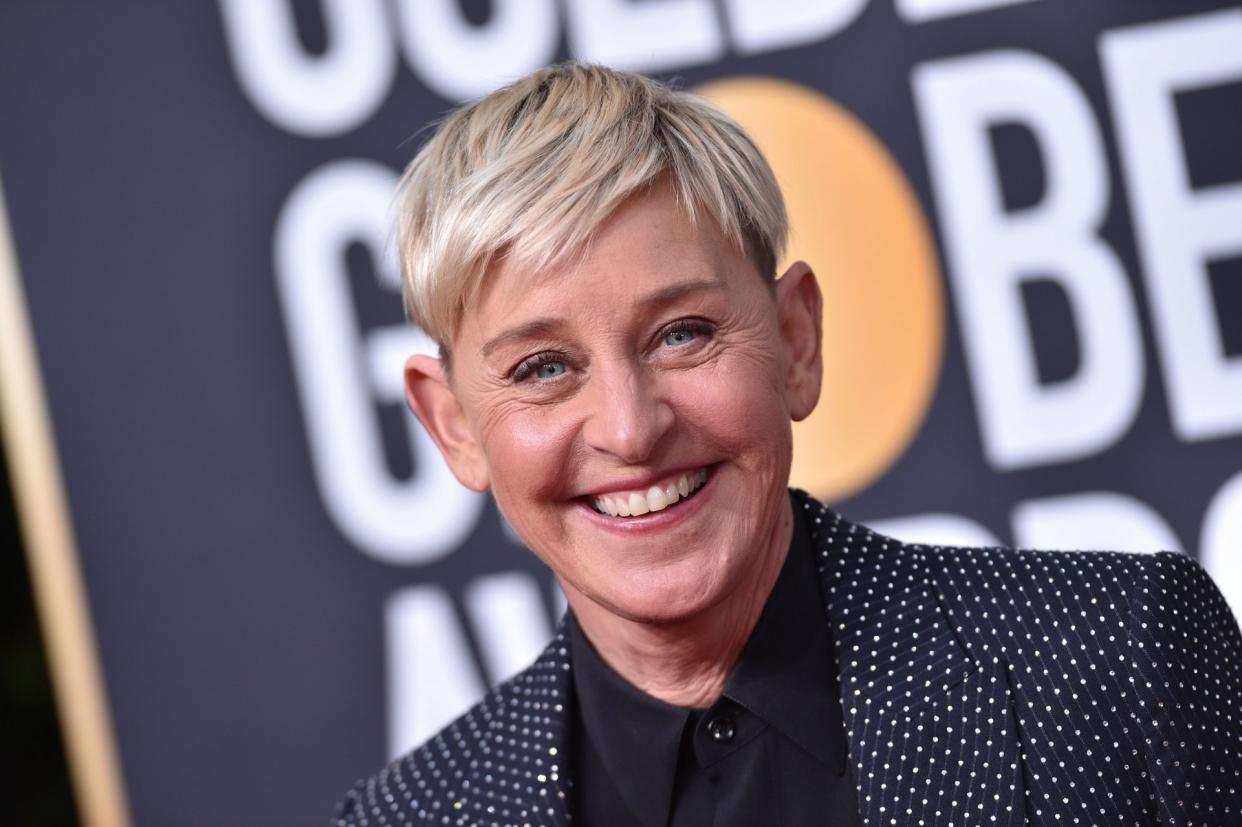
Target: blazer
point(979, 686)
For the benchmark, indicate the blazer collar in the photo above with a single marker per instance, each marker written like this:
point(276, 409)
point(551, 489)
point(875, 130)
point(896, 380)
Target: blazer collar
point(895, 648)
point(930, 729)
point(532, 713)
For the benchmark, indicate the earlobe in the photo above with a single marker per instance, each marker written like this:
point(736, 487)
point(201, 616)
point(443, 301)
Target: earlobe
point(430, 396)
point(800, 309)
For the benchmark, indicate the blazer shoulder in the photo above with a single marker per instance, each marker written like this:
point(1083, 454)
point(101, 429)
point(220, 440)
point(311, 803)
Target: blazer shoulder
point(500, 758)
point(1000, 602)
point(1127, 579)
point(1159, 613)
point(1004, 585)
point(1181, 621)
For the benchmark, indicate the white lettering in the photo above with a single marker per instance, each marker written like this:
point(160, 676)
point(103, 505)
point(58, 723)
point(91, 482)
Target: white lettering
point(645, 37)
point(1094, 520)
point(317, 96)
point(432, 678)
point(432, 675)
point(991, 252)
point(1220, 549)
point(509, 616)
point(397, 521)
point(459, 60)
point(920, 11)
point(1178, 228)
point(935, 529)
point(765, 25)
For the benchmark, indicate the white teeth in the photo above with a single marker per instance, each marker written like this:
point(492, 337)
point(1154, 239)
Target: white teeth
point(638, 505)
point(656, 498)
point(671, 494)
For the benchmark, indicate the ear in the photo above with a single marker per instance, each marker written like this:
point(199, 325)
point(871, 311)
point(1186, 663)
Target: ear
point(430, 396)
point(800, 313)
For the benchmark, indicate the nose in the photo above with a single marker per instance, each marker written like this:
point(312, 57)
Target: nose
point(626, 416)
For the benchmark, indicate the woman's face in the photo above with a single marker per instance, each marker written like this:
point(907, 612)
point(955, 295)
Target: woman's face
point(661, 360)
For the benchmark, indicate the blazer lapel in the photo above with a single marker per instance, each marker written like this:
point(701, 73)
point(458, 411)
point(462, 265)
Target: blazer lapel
point(530, 726)
point(930, 730)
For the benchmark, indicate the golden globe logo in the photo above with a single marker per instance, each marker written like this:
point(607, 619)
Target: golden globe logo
point(856, 220)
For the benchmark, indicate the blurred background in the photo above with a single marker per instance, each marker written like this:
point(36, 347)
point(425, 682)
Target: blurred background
point(236, 575)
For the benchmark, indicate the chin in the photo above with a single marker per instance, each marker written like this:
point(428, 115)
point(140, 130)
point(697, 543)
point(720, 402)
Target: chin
point(660, 600)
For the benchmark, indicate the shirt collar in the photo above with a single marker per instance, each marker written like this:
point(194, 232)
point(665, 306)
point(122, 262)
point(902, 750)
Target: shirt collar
point(786, 673)
point(637, 736)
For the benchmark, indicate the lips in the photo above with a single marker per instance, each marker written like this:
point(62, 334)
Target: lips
point(664, 493)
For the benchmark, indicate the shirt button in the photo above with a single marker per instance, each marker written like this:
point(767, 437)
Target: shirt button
point(721, 730)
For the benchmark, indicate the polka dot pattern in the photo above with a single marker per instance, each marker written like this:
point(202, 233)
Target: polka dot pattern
point(980, 686)
point(994, 686)
point(502, 763)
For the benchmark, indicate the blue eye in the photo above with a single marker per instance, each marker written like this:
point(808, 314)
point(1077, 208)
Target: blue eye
point(684, 332)
point(549, 370)
point(679, 337)
point(541, 367)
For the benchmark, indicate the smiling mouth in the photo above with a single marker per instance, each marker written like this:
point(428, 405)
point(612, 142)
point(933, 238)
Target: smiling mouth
point(664, 494)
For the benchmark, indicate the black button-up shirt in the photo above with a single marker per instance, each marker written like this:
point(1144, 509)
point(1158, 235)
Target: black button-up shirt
point(770, 751)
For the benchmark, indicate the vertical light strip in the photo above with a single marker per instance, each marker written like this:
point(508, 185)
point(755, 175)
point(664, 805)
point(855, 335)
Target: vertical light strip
point(51, 550)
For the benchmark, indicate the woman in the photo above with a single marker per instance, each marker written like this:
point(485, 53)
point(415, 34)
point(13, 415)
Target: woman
point(620, 365)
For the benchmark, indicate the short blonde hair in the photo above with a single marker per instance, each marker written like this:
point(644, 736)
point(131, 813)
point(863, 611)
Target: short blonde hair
point(533, 169)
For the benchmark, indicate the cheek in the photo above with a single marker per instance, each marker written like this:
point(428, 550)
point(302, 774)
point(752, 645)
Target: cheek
point(737, 405)
point(526, 450)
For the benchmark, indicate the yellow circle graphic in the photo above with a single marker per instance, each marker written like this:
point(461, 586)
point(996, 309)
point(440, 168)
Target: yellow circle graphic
point(856, 220)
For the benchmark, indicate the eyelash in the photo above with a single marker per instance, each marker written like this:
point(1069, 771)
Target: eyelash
point(699, 327)
point(527, 367)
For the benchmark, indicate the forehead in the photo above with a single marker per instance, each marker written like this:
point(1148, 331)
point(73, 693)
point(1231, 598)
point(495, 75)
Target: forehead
point(649, 246)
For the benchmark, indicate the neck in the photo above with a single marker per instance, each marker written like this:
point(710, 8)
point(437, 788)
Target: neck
point(686, 662)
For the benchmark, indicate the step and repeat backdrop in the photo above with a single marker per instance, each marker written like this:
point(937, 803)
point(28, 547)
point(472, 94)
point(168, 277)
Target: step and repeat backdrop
point(1026, 216)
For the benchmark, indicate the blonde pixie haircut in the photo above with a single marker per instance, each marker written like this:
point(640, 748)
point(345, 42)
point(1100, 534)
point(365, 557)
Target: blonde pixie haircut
point(533, 169)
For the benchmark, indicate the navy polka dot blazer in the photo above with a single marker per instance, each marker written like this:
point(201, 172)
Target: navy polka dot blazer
point(980, 686)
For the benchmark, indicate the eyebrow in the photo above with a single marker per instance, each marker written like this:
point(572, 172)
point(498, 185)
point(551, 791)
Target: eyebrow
point(547, 325)
point(673, 292)
point(529, 330)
